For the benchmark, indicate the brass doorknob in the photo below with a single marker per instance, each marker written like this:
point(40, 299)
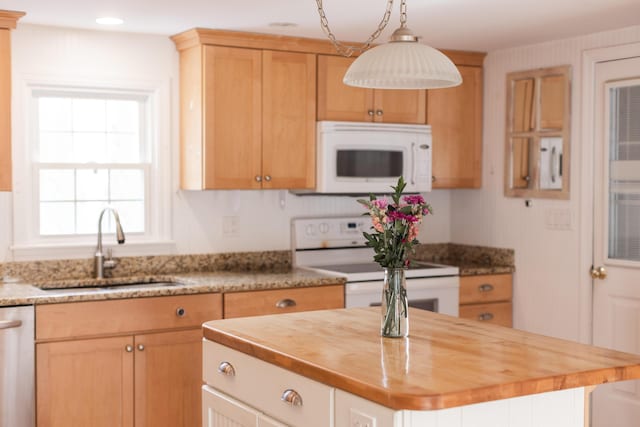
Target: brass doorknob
point(598, 272)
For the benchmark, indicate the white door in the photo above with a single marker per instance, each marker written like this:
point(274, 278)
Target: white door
point(616, 258)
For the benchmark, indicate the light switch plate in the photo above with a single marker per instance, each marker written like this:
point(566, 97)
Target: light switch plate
point(558, 219)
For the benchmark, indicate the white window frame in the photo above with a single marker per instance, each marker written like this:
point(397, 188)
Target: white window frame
point(28, 244)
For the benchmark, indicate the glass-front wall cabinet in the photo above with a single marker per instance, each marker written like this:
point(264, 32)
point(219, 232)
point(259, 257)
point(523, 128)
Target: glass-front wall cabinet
point(537, 137)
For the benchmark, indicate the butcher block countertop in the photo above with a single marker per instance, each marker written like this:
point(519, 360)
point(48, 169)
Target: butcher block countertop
point(445, 362)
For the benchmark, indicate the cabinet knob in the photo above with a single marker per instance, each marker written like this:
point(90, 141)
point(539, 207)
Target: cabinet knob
point(258, 178)
point(128, 348)
point(267, 178)
point(285, 303)
point(291, 397)
point(483, 317)
point(370, 112)
point(140, 347)
point(180, 312)
point(226, 368)
point(379, 112)
point(485, 288)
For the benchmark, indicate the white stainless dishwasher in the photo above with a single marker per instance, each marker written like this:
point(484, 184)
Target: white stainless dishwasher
point(17, 380)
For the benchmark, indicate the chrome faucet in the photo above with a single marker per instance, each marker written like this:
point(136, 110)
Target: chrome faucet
point(100, 262)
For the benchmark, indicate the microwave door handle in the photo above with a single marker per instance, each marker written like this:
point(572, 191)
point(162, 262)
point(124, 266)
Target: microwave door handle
point(414, 159)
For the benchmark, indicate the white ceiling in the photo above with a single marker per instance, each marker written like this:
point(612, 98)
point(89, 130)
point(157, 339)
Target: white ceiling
point(481, 25)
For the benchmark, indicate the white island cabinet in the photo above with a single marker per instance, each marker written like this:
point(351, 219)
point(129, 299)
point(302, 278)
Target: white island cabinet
point(331, 369)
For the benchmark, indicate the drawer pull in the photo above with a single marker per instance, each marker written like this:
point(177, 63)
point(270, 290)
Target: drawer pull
point(291, 397)
point(128, 348)
point(226, 368)
point(485, 288)
point(8, 324)
point(483, 317)
point(286, 303)
point(180, 312)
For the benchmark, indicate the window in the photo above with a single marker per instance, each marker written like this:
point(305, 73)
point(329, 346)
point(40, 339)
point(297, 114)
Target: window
point(91, 152)
point(85, 149)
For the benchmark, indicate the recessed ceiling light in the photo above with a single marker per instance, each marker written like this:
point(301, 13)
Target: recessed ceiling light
point(109, 20)
point(283, 24)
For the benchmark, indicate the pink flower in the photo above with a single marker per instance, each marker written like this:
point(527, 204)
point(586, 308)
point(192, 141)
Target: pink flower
point(414, 200)
point(380, 203)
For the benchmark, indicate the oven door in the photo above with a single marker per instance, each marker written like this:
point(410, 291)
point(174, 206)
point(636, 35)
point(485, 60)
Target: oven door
point(438, 294)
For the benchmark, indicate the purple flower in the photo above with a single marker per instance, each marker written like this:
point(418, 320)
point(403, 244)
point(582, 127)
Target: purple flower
point(397, 215)
point(414, 200)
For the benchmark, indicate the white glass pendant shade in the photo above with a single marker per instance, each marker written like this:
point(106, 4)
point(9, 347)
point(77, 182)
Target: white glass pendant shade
point(402, 64)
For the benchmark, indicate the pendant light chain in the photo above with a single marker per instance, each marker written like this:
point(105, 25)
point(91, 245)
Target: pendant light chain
point(403, 13)
point(348, 50)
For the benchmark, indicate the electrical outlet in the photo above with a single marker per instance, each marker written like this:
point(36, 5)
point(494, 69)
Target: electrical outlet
point(358, 419)
point(230, 225)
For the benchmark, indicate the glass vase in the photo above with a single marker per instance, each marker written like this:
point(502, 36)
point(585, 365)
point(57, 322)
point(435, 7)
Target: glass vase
point(395, 316)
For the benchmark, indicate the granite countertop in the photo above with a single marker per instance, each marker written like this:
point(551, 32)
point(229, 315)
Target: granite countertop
point(73, 290)
point(470, 260)
point(445, 361)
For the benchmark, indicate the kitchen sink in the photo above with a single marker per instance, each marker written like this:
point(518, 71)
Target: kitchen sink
point(124, 285)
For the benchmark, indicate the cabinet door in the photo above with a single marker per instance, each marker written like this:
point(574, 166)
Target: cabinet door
point(289, 120)
point(219, 410)
point(455, 116)
point(400, 106)
point(5, 110)
point(85, 383)
point(232, 117)
point(337, 101)
point(168, 378)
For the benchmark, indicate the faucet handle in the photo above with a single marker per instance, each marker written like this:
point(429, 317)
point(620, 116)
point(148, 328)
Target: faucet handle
point(109, 262)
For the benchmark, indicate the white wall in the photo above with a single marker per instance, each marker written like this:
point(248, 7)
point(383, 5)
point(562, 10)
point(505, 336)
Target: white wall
point(550, 277)
point(197, 225)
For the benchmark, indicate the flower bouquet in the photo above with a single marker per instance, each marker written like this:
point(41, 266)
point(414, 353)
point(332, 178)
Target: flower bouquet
point(395, 227)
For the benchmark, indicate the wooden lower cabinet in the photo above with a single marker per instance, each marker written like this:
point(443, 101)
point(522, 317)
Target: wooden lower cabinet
point(277, 301)
point(168, 370)
point(85, 383)
point(148, 374)
point(487, 298)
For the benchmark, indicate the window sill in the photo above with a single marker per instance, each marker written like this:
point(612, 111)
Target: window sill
point(87, 250)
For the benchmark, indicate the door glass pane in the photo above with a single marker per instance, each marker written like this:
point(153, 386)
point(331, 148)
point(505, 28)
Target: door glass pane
point(369, 163)
point(624, 173)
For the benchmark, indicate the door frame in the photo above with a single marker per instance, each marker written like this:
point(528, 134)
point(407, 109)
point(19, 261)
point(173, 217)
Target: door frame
point(590, 58)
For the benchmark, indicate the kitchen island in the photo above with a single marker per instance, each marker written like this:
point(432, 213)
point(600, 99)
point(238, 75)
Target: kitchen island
point(331, 368)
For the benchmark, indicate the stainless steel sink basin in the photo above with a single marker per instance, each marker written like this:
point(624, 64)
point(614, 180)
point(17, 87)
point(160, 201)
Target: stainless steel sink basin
point(124, 285)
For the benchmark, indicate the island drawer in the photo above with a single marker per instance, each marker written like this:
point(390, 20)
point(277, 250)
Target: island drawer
point(485, 288)
point(124, 316)
point(237, 374)
point(275, 301)
point(498, 313)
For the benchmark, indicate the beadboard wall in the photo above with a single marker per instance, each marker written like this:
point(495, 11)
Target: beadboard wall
point(551, 280)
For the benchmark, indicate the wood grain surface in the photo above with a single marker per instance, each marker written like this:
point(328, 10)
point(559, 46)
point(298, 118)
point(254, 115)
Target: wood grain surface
point(445, 362)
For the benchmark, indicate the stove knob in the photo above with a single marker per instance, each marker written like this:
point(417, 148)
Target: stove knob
point(324, 228)
point(310, 230)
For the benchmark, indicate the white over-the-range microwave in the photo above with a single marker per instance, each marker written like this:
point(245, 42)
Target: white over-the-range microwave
point(362, 158)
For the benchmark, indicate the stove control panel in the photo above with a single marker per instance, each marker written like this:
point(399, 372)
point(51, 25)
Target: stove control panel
point(329, 232)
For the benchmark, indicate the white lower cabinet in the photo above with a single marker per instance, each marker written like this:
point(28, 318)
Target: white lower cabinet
point(243, 391)
point(219, 410)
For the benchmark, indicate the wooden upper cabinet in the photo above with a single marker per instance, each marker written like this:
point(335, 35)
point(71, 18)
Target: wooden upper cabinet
point(455, 116)
point(288, 120)
point(337, 101)
point(247, 118)
point(232, 117)
point(8, 21)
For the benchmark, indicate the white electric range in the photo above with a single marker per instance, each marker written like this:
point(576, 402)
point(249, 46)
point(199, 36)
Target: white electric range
point(336, 245)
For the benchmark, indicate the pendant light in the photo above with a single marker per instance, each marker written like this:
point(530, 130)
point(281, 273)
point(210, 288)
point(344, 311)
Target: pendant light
point(403, 63)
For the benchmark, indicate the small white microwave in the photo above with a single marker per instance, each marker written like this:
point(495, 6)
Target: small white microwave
point(362, 158)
